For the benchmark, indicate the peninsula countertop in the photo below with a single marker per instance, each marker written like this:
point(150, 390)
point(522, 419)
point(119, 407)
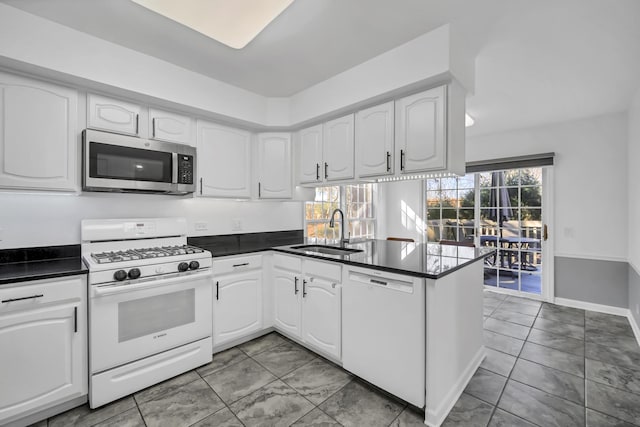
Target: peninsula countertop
point(428, 260)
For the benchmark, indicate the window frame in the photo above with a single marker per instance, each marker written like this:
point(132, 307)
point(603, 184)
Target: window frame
point(342, 204)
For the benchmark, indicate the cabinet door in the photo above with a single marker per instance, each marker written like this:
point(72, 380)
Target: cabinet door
point(42, 358)
point(311, 168)
point(274, 166)
point(374, 140)
point(338, 148)
point(321, 315)
point(287, 290)
point(170, 127)
point(39, 139)
point(223, 161)
point(420, 131)
point(237, 308)
point(113, 115)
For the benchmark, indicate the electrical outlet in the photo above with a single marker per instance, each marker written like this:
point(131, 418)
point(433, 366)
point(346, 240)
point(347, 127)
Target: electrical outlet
point(236, 225)
point(202, 226)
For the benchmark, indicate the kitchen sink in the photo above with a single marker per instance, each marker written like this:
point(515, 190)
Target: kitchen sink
point(328, 250)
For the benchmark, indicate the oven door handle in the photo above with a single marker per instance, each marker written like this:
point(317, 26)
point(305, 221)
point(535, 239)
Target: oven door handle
point(119, 288)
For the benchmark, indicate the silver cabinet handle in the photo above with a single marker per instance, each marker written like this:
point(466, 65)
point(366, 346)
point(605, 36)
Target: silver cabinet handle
point(295, 285)
point(317, 171)
point(401, 160)
point(75, 319)
point(153, 127)
point(388, 161)
point(326, 173)
point(22, 298)
point(217, 290)
point(201, 186)
point(137, 124)
point(304, 288)
point(240, 265)
point(259, 190)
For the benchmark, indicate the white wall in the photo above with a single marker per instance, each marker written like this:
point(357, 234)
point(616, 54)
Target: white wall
point(590, 180)
point(633, 195)
point(400, 210)
point(28, 220)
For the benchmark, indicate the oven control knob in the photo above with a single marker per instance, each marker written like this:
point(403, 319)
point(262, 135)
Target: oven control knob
point(120, 275)
point(134, 273)
point(183, 266)
point(194, 265)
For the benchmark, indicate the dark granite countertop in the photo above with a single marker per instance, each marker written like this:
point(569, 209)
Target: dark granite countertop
point(42, 269)
point(429, 260)
point(237, 244)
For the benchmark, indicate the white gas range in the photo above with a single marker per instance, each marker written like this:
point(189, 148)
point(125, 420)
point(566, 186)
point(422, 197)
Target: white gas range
point(150, 299)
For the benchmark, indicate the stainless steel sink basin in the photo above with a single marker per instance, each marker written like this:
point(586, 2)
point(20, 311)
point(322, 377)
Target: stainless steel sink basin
point(324, 249)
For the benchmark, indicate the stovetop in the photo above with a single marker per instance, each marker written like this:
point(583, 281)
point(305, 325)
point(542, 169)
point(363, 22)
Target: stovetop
point(144, 253)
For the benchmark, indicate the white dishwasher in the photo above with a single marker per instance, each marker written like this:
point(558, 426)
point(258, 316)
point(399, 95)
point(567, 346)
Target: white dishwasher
point(383, 331)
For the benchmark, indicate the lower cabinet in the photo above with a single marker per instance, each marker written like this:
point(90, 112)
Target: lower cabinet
point(237, 298)
point(43, 337)
point(307, 302)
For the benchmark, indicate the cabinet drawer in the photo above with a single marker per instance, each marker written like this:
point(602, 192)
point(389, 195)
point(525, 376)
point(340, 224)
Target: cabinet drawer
point(286, 262)
point(331, 271)
point(34, 294)
point(236, 264)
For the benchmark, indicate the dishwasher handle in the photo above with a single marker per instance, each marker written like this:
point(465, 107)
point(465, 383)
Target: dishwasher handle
point(362, 279)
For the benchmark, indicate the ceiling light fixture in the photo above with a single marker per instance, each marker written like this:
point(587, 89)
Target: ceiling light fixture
point(232, 22)
point(468, 120)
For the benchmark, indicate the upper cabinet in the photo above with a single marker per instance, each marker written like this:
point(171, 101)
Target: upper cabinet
point(311, 155)
point(338, 148)
point(327, 151)
point(113, 115)
point(375, 141)
point(420, 131)
point(224, 161)
point(39, 139)
point(274, 166)
point(169, 127)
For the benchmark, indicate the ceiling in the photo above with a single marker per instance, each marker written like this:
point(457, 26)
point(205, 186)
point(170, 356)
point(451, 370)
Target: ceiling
point(536, 61)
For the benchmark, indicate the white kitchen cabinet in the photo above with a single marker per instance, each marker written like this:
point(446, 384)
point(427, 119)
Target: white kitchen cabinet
point(113, 115)
point(274, 166)
point(237, 298)
point(311, 166)
point(374, 135)
point(170, 127)
point(338, 149)
point(287, 296)
point(43, 336)
point(39, 138)
point(224, 163)
point(321, 315)
point(307, 302)
point(420, 131)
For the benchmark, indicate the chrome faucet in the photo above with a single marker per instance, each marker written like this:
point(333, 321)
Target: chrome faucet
point(332, 224)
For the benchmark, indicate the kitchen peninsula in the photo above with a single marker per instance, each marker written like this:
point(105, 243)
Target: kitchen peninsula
point(411, 315)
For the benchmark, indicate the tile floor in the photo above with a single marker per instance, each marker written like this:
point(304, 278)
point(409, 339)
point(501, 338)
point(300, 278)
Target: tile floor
point(547, 365)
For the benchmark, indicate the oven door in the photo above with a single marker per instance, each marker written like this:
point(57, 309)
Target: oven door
point(129, 322)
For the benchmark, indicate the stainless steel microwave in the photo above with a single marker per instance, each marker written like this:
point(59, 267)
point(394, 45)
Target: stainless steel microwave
point(120, 163)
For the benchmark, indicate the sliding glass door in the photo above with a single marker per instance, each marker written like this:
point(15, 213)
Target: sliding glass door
point(498, 209)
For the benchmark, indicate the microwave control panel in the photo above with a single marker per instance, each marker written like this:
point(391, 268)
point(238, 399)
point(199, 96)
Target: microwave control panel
point(185, 169)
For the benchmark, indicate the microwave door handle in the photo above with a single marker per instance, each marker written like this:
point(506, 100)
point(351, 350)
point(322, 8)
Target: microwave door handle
point(174, 168)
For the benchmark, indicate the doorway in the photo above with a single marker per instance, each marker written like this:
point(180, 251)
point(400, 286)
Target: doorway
point(502, 209)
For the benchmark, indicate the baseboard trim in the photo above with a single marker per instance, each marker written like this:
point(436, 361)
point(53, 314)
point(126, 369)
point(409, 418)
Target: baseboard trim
point(601, 308)
point(434, 418)
point(634, 326)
